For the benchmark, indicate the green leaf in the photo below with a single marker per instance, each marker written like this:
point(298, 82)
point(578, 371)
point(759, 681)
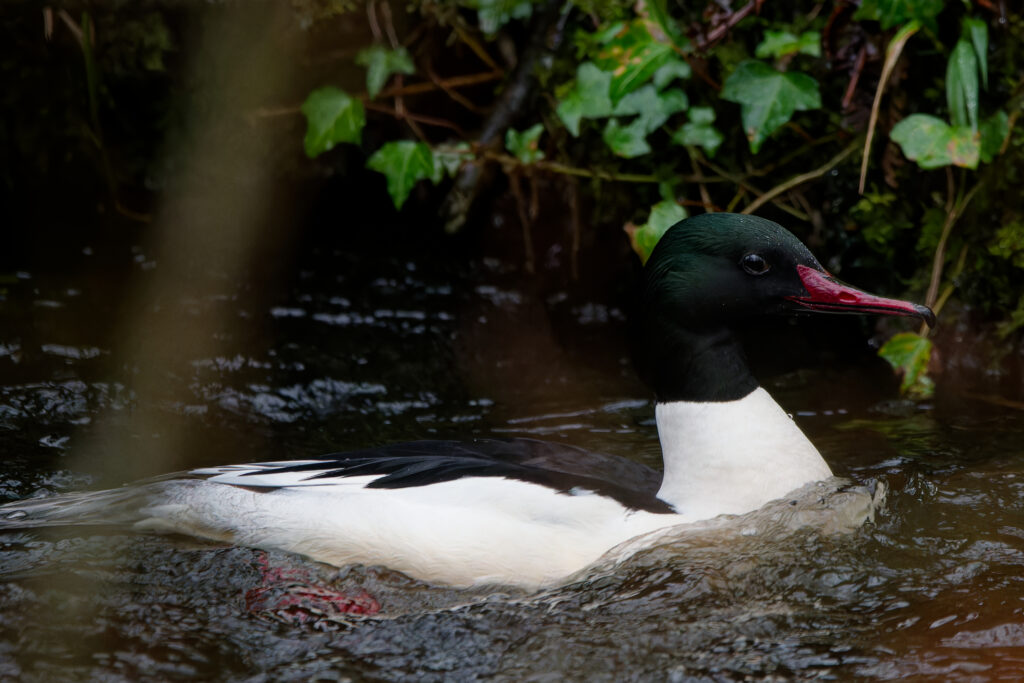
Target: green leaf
point(671, 70)
point(588, 98)
point(768, 98)
point(404, 163)
point(633, 57)
point(448, 159)
point(380, 63)
point(962, 85)
point(493, 14)
point(626, 141)
point(699, 131)
point(909, 354)
point(653, 107)
point(663, 216)
point(523, 145)
point(895, 12)
point(667, 26)
point(933, 143)
point(331, 117)
point(978, 30)
point(993, 131)
point(783, 43)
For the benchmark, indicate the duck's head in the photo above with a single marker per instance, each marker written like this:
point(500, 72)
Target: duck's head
point(712, 271)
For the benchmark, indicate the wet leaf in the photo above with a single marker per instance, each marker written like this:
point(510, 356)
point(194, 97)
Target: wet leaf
point(699, 131)
point(588, 98)
point(332, 116)
point(663, 216)
point(933, 143)
point(632, 58)
point(524, 145)
point(978, 31)
point(626, 141)
point(908, 354)
point(962, 85)
point(404, 163)
point(783, 43)
point(768, 98)
point(381, 63)
point(895, 12)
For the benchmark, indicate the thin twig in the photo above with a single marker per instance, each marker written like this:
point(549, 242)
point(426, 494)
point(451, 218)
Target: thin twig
point(415, 118)
point(742, 183)
point(771, 194)
point(451, 92)
point(940, 250)
point(858, 67)
point(705, 197)
point(892, 55)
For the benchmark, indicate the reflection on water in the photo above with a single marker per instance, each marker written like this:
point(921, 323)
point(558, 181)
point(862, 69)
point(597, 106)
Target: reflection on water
point(387, 351)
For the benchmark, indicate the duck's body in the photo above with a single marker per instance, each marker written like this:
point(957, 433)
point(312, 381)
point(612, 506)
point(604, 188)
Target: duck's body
point(530, 513)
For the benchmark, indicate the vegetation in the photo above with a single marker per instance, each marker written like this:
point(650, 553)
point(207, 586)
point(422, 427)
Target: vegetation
point(654, 110)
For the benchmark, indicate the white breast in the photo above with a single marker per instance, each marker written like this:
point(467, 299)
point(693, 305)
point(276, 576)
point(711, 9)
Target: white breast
point(732, 457)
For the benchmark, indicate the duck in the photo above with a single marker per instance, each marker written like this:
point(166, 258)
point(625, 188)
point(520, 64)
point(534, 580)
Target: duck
point(529, 513)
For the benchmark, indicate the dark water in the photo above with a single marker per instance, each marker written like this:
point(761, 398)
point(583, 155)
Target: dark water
point(356, 351)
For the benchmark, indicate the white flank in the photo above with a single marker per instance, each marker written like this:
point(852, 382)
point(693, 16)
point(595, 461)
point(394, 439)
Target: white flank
point(732, 457)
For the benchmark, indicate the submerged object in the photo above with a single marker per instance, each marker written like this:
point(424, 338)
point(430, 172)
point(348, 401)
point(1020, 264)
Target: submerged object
point(530, 513)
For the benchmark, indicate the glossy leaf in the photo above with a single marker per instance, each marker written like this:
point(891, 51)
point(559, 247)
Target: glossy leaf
point(895, 12)
point(933, 143)
point(404, 163)
point(962, 85)
point(978, 31)
point(588, 98)
point(668, 29)
point(632, 58)
point(909, 354)
point(381, 63)
point(699, 131)
point(768, 98)
point(524, 145)
point(332, 116)
point(626, 141)
point(783, 43)
point(663, 216)
point(491, 15)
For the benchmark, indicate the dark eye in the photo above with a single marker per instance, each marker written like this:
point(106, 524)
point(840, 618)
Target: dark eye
point(754, 264)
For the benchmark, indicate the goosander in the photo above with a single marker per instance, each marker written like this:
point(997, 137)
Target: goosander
point(529, 513)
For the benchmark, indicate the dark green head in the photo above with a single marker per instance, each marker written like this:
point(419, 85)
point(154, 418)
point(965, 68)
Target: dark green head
point(710, 272)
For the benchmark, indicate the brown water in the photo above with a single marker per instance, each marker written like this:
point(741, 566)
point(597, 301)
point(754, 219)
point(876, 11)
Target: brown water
point(357, 351)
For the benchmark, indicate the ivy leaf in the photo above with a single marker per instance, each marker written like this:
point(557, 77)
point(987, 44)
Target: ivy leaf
point(663, 216)
point(588, 98)
point(448, 159)
point(653, 107)
point(699, 131)
point(993, 131)
point(768, 98)
point(783, 43)
point(404, 163)
point(493, 14)
point(633, 57)
point(671, 70)
point(933, 143)
point(332, 116)
point(667, 27)
point(626, 141)
point(962, 85)
point(909, 354)
point(978, 31)
point(895, 12)
point(380, 63)
point(523, 145)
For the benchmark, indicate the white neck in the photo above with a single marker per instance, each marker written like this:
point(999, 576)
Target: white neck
point(732, 457)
